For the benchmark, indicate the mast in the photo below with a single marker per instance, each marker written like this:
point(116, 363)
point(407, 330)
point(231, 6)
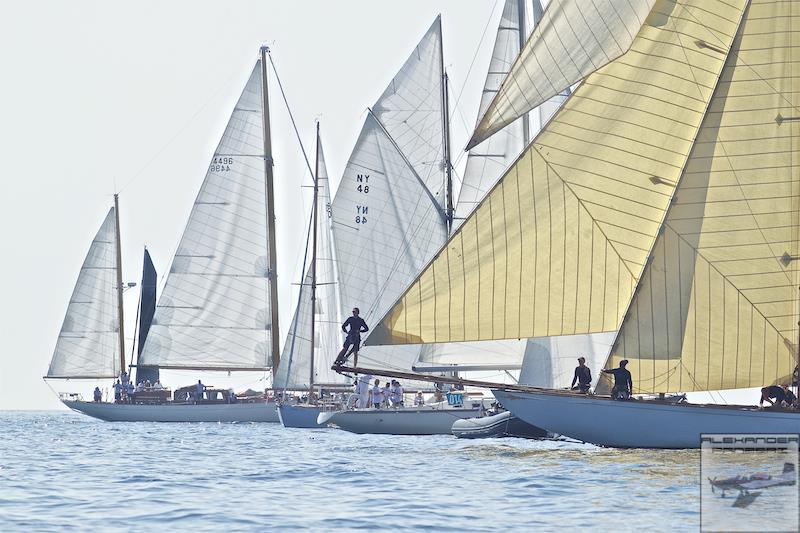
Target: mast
point(314, 216)
point(120, 316)
point(448, 170)
point(522, 33)
point(268, 176)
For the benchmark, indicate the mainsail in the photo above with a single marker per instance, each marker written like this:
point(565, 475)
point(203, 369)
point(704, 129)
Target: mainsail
point(574, 39)
point(295, 369)
point(147, 309)
point(87, 344)
point(214, 312)
point(557, 247)
point(717, 306)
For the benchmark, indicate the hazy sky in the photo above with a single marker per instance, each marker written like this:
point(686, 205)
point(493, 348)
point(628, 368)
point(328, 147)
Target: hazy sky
point(108, 96)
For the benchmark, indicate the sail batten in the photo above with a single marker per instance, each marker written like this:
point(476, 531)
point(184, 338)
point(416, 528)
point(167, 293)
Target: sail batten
point(87, 344)
point(214, 311)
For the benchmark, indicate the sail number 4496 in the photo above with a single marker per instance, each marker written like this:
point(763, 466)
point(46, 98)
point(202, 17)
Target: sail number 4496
point(220, 164)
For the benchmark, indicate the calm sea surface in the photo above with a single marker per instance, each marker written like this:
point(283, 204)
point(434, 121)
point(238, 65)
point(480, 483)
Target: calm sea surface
point(63, 471)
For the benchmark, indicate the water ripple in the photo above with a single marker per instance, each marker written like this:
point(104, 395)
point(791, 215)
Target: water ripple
point(62, 471)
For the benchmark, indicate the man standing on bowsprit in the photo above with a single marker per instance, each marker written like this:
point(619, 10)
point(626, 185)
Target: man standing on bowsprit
point(353, 341)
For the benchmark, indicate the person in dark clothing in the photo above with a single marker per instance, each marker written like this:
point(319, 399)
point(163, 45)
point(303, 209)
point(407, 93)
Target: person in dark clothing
point(780, 395)
point(583, 376)
point(623, 381)
point(353, 327)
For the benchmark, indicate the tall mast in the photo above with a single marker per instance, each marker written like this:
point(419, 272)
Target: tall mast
point(448, 169)
point(268, 177)
point(521, 16)
point(314, 216)
point(120, 316)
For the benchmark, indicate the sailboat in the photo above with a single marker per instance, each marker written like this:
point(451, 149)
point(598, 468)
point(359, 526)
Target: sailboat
point(659, 203)
point(218, 310)
point(313, 338)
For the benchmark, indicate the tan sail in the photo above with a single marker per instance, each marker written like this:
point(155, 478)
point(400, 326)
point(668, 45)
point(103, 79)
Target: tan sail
point(557, 247)
point(573, 39)
point(717, 307)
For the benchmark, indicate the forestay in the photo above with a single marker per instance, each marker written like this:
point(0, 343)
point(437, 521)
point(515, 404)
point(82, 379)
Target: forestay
point(294, 370)
point(574, 39)
point(557, 247)
point(214, 310)
point(717, 307)
point(87, 345)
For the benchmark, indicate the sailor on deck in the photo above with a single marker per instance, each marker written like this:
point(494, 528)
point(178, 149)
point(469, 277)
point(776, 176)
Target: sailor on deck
point(199, 389)
point(582, 375)
point(623, 381)
point(377, 394)
point(98, 395)
point(781, 394)
point(356, 326)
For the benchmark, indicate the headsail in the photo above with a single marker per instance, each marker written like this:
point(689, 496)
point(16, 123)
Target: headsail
point(294, 371)
point(214, 310)
point(87, 344)
point(717, 306)
point(557, 247)
point(147, 309)
point(574, 39)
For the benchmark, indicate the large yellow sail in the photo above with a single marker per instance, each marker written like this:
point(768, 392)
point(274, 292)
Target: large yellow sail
point(557, 247)
point(717, 307)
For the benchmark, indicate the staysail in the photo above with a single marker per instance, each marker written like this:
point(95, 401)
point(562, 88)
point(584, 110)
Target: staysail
point(147, 309)
point(557, 247)
point(574, 39)
point(214, 312)
point(295, 370)
point(87, 344)
point(717, 306)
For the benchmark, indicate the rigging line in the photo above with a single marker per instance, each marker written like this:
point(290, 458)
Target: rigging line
point(177, 134)
point(475, 55)
point(289, 109)
point(299, 302)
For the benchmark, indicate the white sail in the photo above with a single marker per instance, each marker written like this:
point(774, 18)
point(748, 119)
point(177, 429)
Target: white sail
point(411, 110)
point(87, 345)
point(574, 39)
point(214, 310)
point(295, 369)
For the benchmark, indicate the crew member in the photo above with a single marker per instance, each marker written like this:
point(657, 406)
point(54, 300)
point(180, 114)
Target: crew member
point(781, 395)
point(623, 381)
point(199, 389)
point(377, 394)
point(583, 375)
point(356, 326)
point(98, 396)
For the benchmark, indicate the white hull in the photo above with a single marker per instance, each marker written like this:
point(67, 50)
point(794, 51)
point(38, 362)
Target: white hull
point(300, 416)
point(640, 424)
point(403, 421)
point(237, 412)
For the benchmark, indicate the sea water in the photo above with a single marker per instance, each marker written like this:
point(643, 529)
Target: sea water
point(63, 471)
